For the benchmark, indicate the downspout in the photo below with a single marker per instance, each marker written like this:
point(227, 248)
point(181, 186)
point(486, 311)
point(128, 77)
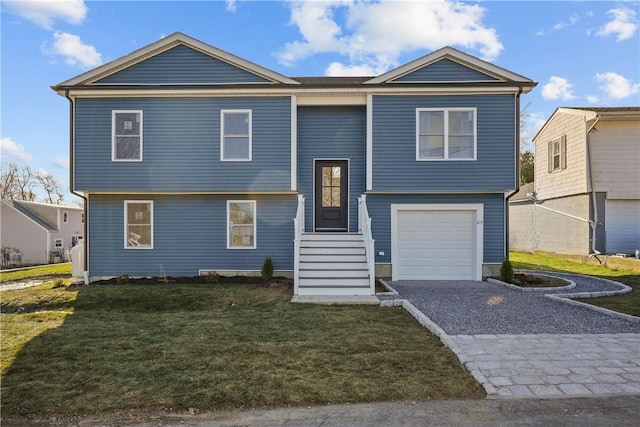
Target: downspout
point(594, 223)
point(517, 188)
point(72, 141)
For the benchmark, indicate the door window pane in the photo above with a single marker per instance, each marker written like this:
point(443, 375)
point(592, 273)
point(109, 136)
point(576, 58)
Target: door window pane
point(331, 186)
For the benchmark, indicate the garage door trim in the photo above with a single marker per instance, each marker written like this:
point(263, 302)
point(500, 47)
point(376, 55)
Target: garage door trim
point(478, 208)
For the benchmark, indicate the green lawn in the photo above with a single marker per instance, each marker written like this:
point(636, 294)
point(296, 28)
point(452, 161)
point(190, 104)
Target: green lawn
point(627, 303)
point(97, 348)
point(43, 272)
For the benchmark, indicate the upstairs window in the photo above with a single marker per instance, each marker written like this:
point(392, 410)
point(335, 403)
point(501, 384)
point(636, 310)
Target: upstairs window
point(127, 136)
point(558, 154)
point(138, 224)
point(235, 135)
point(65, 217)
point(446, 134)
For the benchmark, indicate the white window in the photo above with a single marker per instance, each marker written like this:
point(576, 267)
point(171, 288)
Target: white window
point(446, 134)
point(126, 136)
point(65, 217)
point(558, 154)
point(241, 224)
point(58, 243)
point(138, 224)
point(235, 130)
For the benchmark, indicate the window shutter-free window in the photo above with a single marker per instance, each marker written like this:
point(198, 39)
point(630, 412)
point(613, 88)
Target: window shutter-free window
point(126, 135)
point(235, 135)
point(241, 224)
point(138, 224)
point(445, 134)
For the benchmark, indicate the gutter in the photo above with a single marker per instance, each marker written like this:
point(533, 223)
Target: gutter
point(594, 223)
point(85, 206)
point(517, 188)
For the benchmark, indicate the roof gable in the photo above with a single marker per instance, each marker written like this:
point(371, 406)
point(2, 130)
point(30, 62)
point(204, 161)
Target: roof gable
point(450, 65)
point(131, 68)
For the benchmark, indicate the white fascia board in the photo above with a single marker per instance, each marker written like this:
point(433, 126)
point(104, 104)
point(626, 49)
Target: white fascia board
point(165, 44)
point(455, 55)
point(348, 93)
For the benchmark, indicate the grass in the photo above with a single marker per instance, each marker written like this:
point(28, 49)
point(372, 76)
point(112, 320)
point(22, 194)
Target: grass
point(627, 303)
point(102, 348)
point(43, 272)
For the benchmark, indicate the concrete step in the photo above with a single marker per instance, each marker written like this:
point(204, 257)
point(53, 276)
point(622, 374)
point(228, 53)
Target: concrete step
point(341, 291)
point(333, 282)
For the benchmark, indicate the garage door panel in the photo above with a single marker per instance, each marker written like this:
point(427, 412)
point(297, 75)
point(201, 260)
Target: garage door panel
point(622, 226)
point(435, 245)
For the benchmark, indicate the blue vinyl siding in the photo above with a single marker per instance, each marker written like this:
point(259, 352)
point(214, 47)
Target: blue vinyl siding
point(445, 70)
point(182, 65)
point(331, 133)
point(181, 146)
point(379, 207)
point(190, 233)
point(394, 146)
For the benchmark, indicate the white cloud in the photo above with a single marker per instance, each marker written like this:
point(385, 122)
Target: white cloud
point(74, 51)
point(374, 35)
point(61, 161)
point(573, 19)
point(231, 6)
point(45, 12)
point(557, 88)
point(336, 69)
point(593, 99)
point(9, 148)
point(617, 86)
point(624, 24)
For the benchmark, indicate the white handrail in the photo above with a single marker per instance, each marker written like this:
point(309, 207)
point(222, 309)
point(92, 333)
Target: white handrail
point(364, 226)
point(298, 229)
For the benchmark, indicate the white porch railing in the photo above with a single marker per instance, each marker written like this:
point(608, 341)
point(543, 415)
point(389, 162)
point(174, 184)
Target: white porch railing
point(364, 226)
point(298, 229)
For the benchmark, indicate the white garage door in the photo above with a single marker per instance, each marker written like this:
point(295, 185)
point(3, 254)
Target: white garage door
point(435, 245)
point(623, 226)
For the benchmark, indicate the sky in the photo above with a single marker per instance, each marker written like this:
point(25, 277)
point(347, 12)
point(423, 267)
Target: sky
point(581, 53)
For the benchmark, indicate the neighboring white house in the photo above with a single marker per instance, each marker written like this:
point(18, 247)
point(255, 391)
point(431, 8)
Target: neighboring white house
point(40, 232)
point(586, 196)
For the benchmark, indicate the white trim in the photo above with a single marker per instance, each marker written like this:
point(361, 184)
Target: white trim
point(250, 135)
point(312, 99)
point(294, 143)
point(113, 135)
point(255, 225)
point(313, 207)
point(479, 246)
point(126, 224)
point(446, 111)
point(284, 192)
point(454, 55)
point(288, 91)
point(369, 145)
point(167, 43)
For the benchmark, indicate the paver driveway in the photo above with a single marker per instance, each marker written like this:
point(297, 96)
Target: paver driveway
point(520, 343)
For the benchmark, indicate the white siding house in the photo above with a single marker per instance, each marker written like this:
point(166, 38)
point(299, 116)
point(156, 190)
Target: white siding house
point(39, 232)
point(586, 196)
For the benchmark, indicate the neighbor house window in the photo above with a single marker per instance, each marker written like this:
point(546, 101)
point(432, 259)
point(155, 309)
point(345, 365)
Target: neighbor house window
point(241, 224)
point(138, 224)
point(235, 135)
point(558, 154)
point(65, 217)
point(127, 135)
point(446, 134)
point(58, 243)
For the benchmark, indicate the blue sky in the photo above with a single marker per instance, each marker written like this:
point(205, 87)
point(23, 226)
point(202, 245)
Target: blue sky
point(582, 53)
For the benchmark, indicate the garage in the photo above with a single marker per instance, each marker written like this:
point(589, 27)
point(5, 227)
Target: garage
point(436, 242)
point(622, 226)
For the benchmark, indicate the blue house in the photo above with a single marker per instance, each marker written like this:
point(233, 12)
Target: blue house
point(194, 160)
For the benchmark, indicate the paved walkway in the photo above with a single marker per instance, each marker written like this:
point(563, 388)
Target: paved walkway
point(531, 343)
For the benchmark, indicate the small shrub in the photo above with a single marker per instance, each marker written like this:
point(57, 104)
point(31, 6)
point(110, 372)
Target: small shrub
point(506, 271)
point(212, 277)
point(267, 269)
point(123, 279)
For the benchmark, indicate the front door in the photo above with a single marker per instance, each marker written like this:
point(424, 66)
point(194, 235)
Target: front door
point(331, 195)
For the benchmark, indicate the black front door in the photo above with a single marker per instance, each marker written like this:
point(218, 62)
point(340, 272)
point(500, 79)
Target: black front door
point(331, 195)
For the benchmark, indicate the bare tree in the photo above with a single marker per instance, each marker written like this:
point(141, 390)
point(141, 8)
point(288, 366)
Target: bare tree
point(524, 126)
point(20, 182)
point(51, 186)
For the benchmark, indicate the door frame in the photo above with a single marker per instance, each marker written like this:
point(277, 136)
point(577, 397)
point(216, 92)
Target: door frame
point(331, 159)
point(478, 208)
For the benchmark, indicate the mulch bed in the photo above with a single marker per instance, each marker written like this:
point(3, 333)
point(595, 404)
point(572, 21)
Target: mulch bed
point(534, 281)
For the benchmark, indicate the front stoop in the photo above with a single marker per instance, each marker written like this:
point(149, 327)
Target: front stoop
point(333, 264)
